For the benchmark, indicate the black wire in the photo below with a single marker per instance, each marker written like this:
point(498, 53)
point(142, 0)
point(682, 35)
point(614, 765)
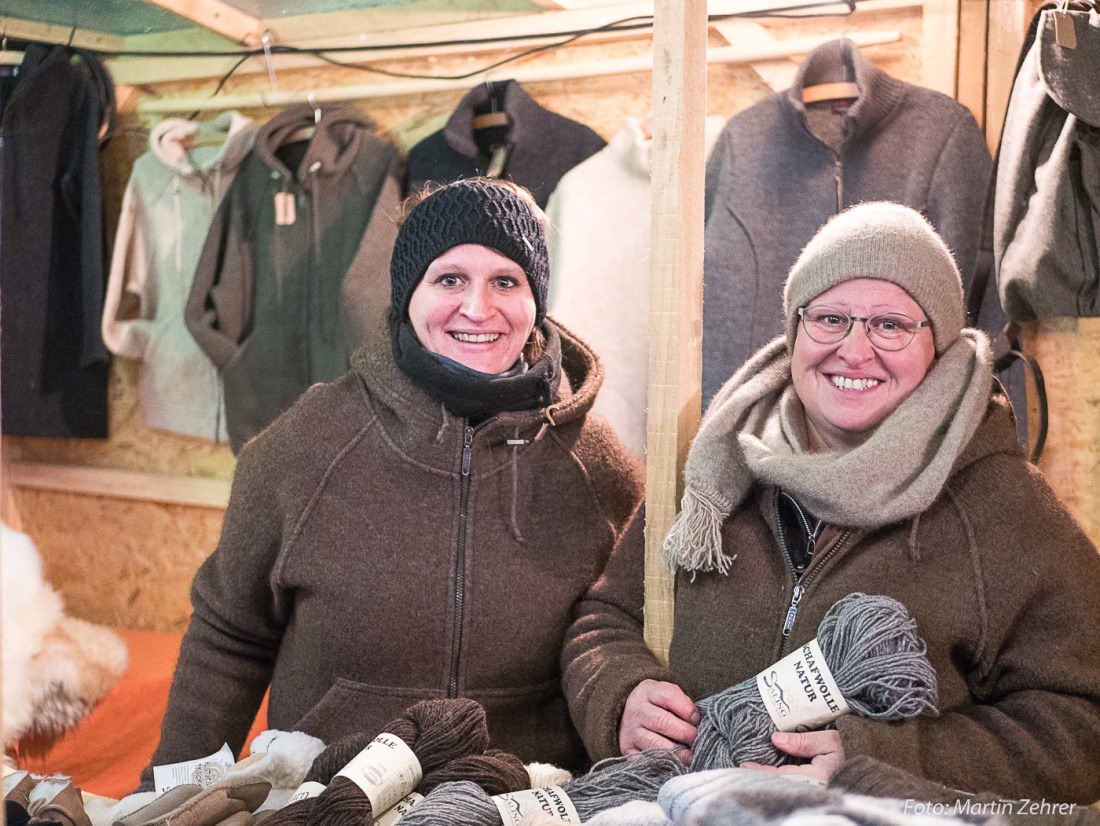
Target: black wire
point(623, 24)
point(526, 53)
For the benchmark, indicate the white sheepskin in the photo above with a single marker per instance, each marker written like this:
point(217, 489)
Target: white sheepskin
point(29, 609)
point(55, 667)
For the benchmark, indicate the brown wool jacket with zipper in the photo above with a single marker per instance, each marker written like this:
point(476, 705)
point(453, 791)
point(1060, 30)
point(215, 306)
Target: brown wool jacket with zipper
point(1003, 584)
point(360, 570)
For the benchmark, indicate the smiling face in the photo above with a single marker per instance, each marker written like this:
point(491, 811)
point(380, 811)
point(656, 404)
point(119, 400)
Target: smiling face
point(474, 306)
point(849, 388)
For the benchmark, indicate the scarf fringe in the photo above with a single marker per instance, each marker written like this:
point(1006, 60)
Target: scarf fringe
point(694, 542)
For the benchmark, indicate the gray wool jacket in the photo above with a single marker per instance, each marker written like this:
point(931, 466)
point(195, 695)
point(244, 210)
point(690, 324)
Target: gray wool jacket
point(780, 169)
point(378, 551)
point(296, 263)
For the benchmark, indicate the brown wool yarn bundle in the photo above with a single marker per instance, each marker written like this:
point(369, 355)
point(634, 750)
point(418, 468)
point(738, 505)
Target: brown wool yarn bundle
point(450, 739)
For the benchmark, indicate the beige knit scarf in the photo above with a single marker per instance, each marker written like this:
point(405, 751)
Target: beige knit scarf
point(755, 431)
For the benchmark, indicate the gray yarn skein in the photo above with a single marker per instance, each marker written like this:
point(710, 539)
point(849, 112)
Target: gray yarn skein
point(610, 783)
point(878, 661)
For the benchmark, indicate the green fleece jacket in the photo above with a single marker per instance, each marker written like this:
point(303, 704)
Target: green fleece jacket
point(1005, 588)
point(378, 551)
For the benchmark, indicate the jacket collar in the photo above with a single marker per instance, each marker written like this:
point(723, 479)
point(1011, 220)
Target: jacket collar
point(422, 418)
point(334, 146)
point(840, 60)
point(631, 147)
point(529, 121)
point(169, 138)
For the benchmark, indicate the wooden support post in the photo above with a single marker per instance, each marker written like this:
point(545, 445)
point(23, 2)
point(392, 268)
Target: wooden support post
point(675, 287)
point(940, 45)
point(973, 30)
point(1007, 26)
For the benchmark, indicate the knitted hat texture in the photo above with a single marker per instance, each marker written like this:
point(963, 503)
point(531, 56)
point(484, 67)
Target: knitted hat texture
point(889, 242)
point(469, 212)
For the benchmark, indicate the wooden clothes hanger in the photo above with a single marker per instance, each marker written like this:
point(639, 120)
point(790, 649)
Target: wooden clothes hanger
point(9, 57)
point(829, 91)
point(494, 117)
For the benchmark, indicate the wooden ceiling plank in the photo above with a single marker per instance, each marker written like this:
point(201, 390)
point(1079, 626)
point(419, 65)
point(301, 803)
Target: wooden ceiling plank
point(46, 33)
point(530, 74)
point(217, 16)
point(374, 30)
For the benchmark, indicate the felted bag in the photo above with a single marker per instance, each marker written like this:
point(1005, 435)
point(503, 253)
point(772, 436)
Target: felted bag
point(1047, 208)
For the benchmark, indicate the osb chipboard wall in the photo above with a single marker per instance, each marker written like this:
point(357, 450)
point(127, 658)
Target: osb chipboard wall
point(130, 563)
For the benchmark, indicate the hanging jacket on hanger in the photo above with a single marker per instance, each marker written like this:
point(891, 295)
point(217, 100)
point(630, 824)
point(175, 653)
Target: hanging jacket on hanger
point(295, 270)
point(598, 239)
point(54, 366)
point(534, 149)
point(782, 167)
point(167, 208)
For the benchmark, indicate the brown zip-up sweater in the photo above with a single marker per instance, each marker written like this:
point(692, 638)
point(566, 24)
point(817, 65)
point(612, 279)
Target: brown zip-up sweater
point(378, 551)
point(1005, 588)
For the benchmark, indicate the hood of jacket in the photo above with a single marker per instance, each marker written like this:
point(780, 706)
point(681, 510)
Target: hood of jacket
point(841, 61)
point(576, 385)
point(192, 148)
point(334, 141)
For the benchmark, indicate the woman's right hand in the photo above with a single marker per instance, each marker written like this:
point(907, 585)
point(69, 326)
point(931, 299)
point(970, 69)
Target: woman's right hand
point(658, 715)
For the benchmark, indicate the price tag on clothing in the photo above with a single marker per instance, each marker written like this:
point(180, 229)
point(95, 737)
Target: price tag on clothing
point(1064, 32)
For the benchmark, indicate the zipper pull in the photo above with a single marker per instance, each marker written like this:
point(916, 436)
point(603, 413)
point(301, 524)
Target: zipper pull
point(467, 442)
point(839, 187)
point(792, 610)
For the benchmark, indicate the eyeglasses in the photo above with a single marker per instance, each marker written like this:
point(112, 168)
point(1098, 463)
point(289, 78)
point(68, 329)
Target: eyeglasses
point(887, 331)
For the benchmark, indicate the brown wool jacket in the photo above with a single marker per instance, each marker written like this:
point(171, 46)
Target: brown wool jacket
point(1003, 584)
point(359, 570)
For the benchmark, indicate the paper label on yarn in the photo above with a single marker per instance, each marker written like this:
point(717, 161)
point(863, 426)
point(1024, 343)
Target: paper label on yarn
point(548, 802)
point(799, 691)
point(399, 809)
point(205, 772)
point(311, 788)
point(386, 770)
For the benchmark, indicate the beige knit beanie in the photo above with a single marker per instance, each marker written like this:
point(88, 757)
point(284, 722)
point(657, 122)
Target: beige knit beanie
point(887, 241)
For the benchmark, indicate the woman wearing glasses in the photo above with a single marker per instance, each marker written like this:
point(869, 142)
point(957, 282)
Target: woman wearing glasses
point(868, 450)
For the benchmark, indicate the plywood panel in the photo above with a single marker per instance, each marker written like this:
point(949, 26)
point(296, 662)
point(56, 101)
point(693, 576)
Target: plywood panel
point(1066, 349)
point(117, 561)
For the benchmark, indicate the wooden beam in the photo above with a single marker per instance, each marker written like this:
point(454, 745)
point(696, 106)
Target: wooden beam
point(675, 287)
point(217, 16)
point(940, 45)
point(973, 29)
point(532, 74)
point(46, 33)
point(1008, 21)
point(391, 31)
point(124, 484)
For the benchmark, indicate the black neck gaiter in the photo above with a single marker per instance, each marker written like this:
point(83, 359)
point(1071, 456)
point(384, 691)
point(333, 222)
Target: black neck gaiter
point(471, 394)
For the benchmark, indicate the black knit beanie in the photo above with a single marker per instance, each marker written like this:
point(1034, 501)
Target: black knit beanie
point(471, 211)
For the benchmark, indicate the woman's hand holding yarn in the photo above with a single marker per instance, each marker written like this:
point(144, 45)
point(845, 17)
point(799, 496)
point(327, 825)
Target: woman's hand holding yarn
point(824, 748)
point(658, 715)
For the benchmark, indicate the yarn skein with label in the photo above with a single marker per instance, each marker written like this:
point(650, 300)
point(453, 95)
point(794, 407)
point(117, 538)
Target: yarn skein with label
point(610, 783)
point(437, 731)
point(878, 661)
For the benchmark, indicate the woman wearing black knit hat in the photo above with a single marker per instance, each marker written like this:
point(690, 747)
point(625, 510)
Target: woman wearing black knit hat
point(421, 527)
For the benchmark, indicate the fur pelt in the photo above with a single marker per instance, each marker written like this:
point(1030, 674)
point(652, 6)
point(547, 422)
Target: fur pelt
point(55, 667)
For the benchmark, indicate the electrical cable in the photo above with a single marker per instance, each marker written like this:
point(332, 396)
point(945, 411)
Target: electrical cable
point(570, 36)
